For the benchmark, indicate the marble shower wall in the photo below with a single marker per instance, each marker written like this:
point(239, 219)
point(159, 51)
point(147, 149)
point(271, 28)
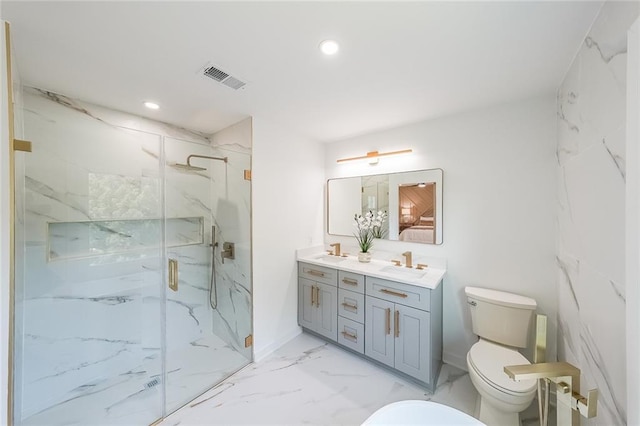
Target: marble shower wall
point(89, 318)
point(591, 167)
point(233, 320)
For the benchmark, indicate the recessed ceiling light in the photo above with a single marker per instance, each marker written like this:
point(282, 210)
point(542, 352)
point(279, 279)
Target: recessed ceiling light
point(329, 47)
point(151, 105)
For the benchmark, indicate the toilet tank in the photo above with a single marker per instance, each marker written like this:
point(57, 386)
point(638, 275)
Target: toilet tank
point(501, 317)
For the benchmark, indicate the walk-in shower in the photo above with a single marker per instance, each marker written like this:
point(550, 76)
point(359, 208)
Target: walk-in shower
point(213, 294)
point(101, 209)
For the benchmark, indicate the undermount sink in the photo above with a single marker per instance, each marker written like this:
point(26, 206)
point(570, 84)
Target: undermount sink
point(403, 271)
point(330, 258)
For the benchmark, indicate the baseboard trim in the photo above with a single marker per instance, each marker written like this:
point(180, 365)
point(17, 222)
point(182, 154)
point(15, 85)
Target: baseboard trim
point(262, 353)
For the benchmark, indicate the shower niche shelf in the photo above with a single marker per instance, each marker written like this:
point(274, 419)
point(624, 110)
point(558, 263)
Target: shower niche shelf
point(94, 238)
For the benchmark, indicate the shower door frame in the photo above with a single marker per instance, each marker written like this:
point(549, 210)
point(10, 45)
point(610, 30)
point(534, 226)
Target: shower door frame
point(10, 322)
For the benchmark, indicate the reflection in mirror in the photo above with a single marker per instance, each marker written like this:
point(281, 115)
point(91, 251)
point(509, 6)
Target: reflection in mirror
point(412, 199)
point(417, 212)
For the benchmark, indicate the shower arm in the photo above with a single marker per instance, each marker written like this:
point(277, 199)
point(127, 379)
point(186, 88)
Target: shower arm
point(203, 156)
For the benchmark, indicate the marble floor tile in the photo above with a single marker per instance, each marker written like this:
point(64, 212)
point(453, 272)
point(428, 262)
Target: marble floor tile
point(309, 381)
point(134, 397)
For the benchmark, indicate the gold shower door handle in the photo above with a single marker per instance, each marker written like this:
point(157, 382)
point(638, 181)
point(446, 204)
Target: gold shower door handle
point(388, 331)
point(173, 274)
point(396, 324)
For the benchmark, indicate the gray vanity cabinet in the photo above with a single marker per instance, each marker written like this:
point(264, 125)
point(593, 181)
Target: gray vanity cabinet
point(396, 324)
point(412, 344)
point(398, 336)
point(379, 340)
point(351, 311)
point(318, 300)
point(398, 328)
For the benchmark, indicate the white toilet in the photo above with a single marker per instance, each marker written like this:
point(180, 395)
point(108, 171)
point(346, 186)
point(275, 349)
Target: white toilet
point(502, 322)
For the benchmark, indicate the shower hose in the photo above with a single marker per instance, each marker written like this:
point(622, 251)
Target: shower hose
point(213, 293)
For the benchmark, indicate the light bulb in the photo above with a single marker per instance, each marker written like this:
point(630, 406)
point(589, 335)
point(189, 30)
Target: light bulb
point(329, 47)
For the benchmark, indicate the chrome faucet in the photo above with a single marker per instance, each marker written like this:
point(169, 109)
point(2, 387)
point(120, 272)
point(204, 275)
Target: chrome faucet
point(407, 259)
point(567, 379)
point(336, 248)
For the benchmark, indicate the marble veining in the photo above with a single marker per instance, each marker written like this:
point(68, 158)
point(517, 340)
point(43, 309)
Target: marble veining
point(68, 103)
point(591, 186)
point(607, 56)
point(564, 268)
point(90, 336)
point(598, 372)
point(618, 160)
point(65, 198)
point(309, 381)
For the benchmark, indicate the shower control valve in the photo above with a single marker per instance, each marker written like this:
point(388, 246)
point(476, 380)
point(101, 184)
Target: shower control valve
point(228, 251)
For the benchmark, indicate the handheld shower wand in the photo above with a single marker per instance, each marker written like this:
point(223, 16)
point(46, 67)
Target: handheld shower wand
point(213, 293)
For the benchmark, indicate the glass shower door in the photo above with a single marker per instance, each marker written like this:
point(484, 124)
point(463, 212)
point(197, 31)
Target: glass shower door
point(89, 301)
point(199, 351)
point(100, 336)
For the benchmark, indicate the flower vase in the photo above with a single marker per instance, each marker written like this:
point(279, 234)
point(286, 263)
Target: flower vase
point(364, 257)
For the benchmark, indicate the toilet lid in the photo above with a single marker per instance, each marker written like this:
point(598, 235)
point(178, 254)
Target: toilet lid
point(489, 360)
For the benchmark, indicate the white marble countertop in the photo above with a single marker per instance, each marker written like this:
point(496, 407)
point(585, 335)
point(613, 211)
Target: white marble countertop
point(430, 277)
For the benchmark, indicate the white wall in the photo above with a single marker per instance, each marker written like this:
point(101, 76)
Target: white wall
point(287, 182)
point(499, 196)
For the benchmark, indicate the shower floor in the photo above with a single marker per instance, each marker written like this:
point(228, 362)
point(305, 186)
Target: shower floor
point(135, 397)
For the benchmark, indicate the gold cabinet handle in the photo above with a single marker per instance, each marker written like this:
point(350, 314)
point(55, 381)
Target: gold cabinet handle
point(393, 293)
point(388, 331)
point(349, 281)
point(315, 296)
point(397, 323)
point(316, 273)
point(350, 306)
point(350, 336)
point(173, 274)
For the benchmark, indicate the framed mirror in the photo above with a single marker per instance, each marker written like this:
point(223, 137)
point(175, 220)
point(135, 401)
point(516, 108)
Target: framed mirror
point(412, 200)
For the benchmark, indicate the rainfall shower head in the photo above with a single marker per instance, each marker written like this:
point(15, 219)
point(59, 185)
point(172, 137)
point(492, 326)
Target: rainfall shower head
point(189, 167)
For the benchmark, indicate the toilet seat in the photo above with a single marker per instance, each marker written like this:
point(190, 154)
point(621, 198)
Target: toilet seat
point(488, 359)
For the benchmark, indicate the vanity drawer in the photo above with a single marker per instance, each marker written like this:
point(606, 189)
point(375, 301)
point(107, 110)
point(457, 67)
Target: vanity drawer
point(351, 305)
point(351, 334)
point(351, 281)
point(319, 274)
point(405, 294)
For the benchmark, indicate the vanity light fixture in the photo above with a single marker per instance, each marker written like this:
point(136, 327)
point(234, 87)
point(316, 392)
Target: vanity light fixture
point(151, 105)
point(374, 156)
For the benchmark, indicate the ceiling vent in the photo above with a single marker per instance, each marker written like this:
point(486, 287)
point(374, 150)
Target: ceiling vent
point(224, 78)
